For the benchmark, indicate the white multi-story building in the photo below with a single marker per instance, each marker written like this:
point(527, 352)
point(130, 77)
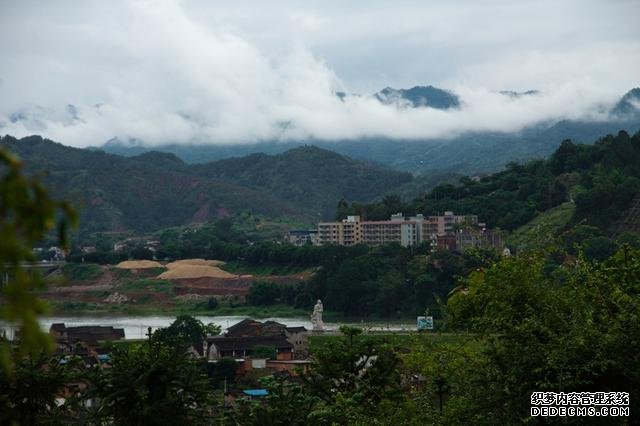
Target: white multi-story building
point(398, 229)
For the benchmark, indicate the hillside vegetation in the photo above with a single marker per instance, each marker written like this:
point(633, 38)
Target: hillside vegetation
point(158, 190)
point(307, 176)
point(541, 230)
point(601, 179)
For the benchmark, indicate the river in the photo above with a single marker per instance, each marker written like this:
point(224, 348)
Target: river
point(136, 327)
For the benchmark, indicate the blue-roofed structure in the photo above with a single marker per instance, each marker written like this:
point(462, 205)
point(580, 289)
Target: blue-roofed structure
point(256, 392)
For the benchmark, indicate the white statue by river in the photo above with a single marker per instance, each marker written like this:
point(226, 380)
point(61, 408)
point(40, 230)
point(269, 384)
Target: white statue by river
point(316, 317)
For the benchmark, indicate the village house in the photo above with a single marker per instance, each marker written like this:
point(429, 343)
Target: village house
point(470, 237)
point(240, 340)
point(69, 339)
point(300, 237)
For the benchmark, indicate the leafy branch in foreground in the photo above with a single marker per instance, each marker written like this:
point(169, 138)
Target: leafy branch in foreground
point(27, 215)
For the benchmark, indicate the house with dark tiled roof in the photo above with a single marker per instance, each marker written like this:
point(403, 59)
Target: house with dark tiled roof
point(67, 338)
point(240, 339)
point(242, 347)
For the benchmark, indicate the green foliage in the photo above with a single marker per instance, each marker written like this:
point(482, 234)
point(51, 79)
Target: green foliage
point(27, 215)
point(542, 230)
point(573, 328)
point(264, 293)
point(602, 178)
point(81, 271)
point(212, 329)
point(286, 403)
point(388, 281)
point(223, 369)
point(184, 332)
point(145, 284)
point(154, 190)
point(243, 267)
point(212, 303)
point(28, 392)
point(101, 257)
point(262, 351)
point(632, 239)
point(353, 376)
point(153, 385)
point(311, 177)
point(353, 380)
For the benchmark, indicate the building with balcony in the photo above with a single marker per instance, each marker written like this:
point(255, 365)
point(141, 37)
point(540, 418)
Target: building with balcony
point(398, 229)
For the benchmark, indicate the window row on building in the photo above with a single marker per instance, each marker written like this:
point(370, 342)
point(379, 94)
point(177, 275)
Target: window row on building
point(398, 229)
point(448, 231)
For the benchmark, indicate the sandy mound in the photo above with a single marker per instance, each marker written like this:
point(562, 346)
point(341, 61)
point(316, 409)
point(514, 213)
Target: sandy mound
point(194, 262)
point(194, 271)
point(138, 264)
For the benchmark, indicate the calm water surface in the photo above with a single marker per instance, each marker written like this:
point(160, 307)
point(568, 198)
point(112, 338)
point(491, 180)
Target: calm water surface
point(136, 327)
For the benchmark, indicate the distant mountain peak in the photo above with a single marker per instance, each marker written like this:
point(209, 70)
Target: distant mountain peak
point(515, 94)
point(629, 104)
point(419, 96)
point(159, 158)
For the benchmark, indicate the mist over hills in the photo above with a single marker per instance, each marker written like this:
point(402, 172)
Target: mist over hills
point(419, 96)
point(130, 186)
point(467, 153)
point(155, 190)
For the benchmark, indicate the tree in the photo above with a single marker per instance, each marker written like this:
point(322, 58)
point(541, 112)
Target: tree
point(153, 385)
point(540, 333)
point(212, 303)
point(212, 329)
point(28, 392)
point(184, 332)
point(599, 248)
point(286, 404)
point(263, 293)
point(223, 369)
point(27, 215)
point(262, 351)
point(355, 377)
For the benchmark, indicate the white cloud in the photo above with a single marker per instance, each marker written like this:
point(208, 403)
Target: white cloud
point(180, 72)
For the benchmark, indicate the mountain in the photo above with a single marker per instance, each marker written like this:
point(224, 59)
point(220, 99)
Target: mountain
point(307, 176)
point(469, 153)
point(601, 180)
point(419, 96)
point(195, 154)
point(629, 104)
point(514, 94)
point(157, 190)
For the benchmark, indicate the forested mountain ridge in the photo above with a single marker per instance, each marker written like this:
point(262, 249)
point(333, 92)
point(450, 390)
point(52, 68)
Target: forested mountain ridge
point(601, 179)
point(157, 190)
point(307, 175)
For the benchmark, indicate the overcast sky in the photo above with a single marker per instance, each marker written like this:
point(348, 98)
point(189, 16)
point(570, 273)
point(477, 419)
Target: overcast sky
point(243, 71)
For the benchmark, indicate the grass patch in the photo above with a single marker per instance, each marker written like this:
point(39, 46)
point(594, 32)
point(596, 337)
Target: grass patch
point(258, 227)
point(144, 284)
point(74, 307)
point(99, 293)
point(154, 271)
point(82, 271)
point(542, 229)
point(404, 340)
point(121, 273)
point(239, 267)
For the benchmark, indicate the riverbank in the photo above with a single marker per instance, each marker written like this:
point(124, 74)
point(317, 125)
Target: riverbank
point(259, 312)
point(136, 327)
point(89, 309)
